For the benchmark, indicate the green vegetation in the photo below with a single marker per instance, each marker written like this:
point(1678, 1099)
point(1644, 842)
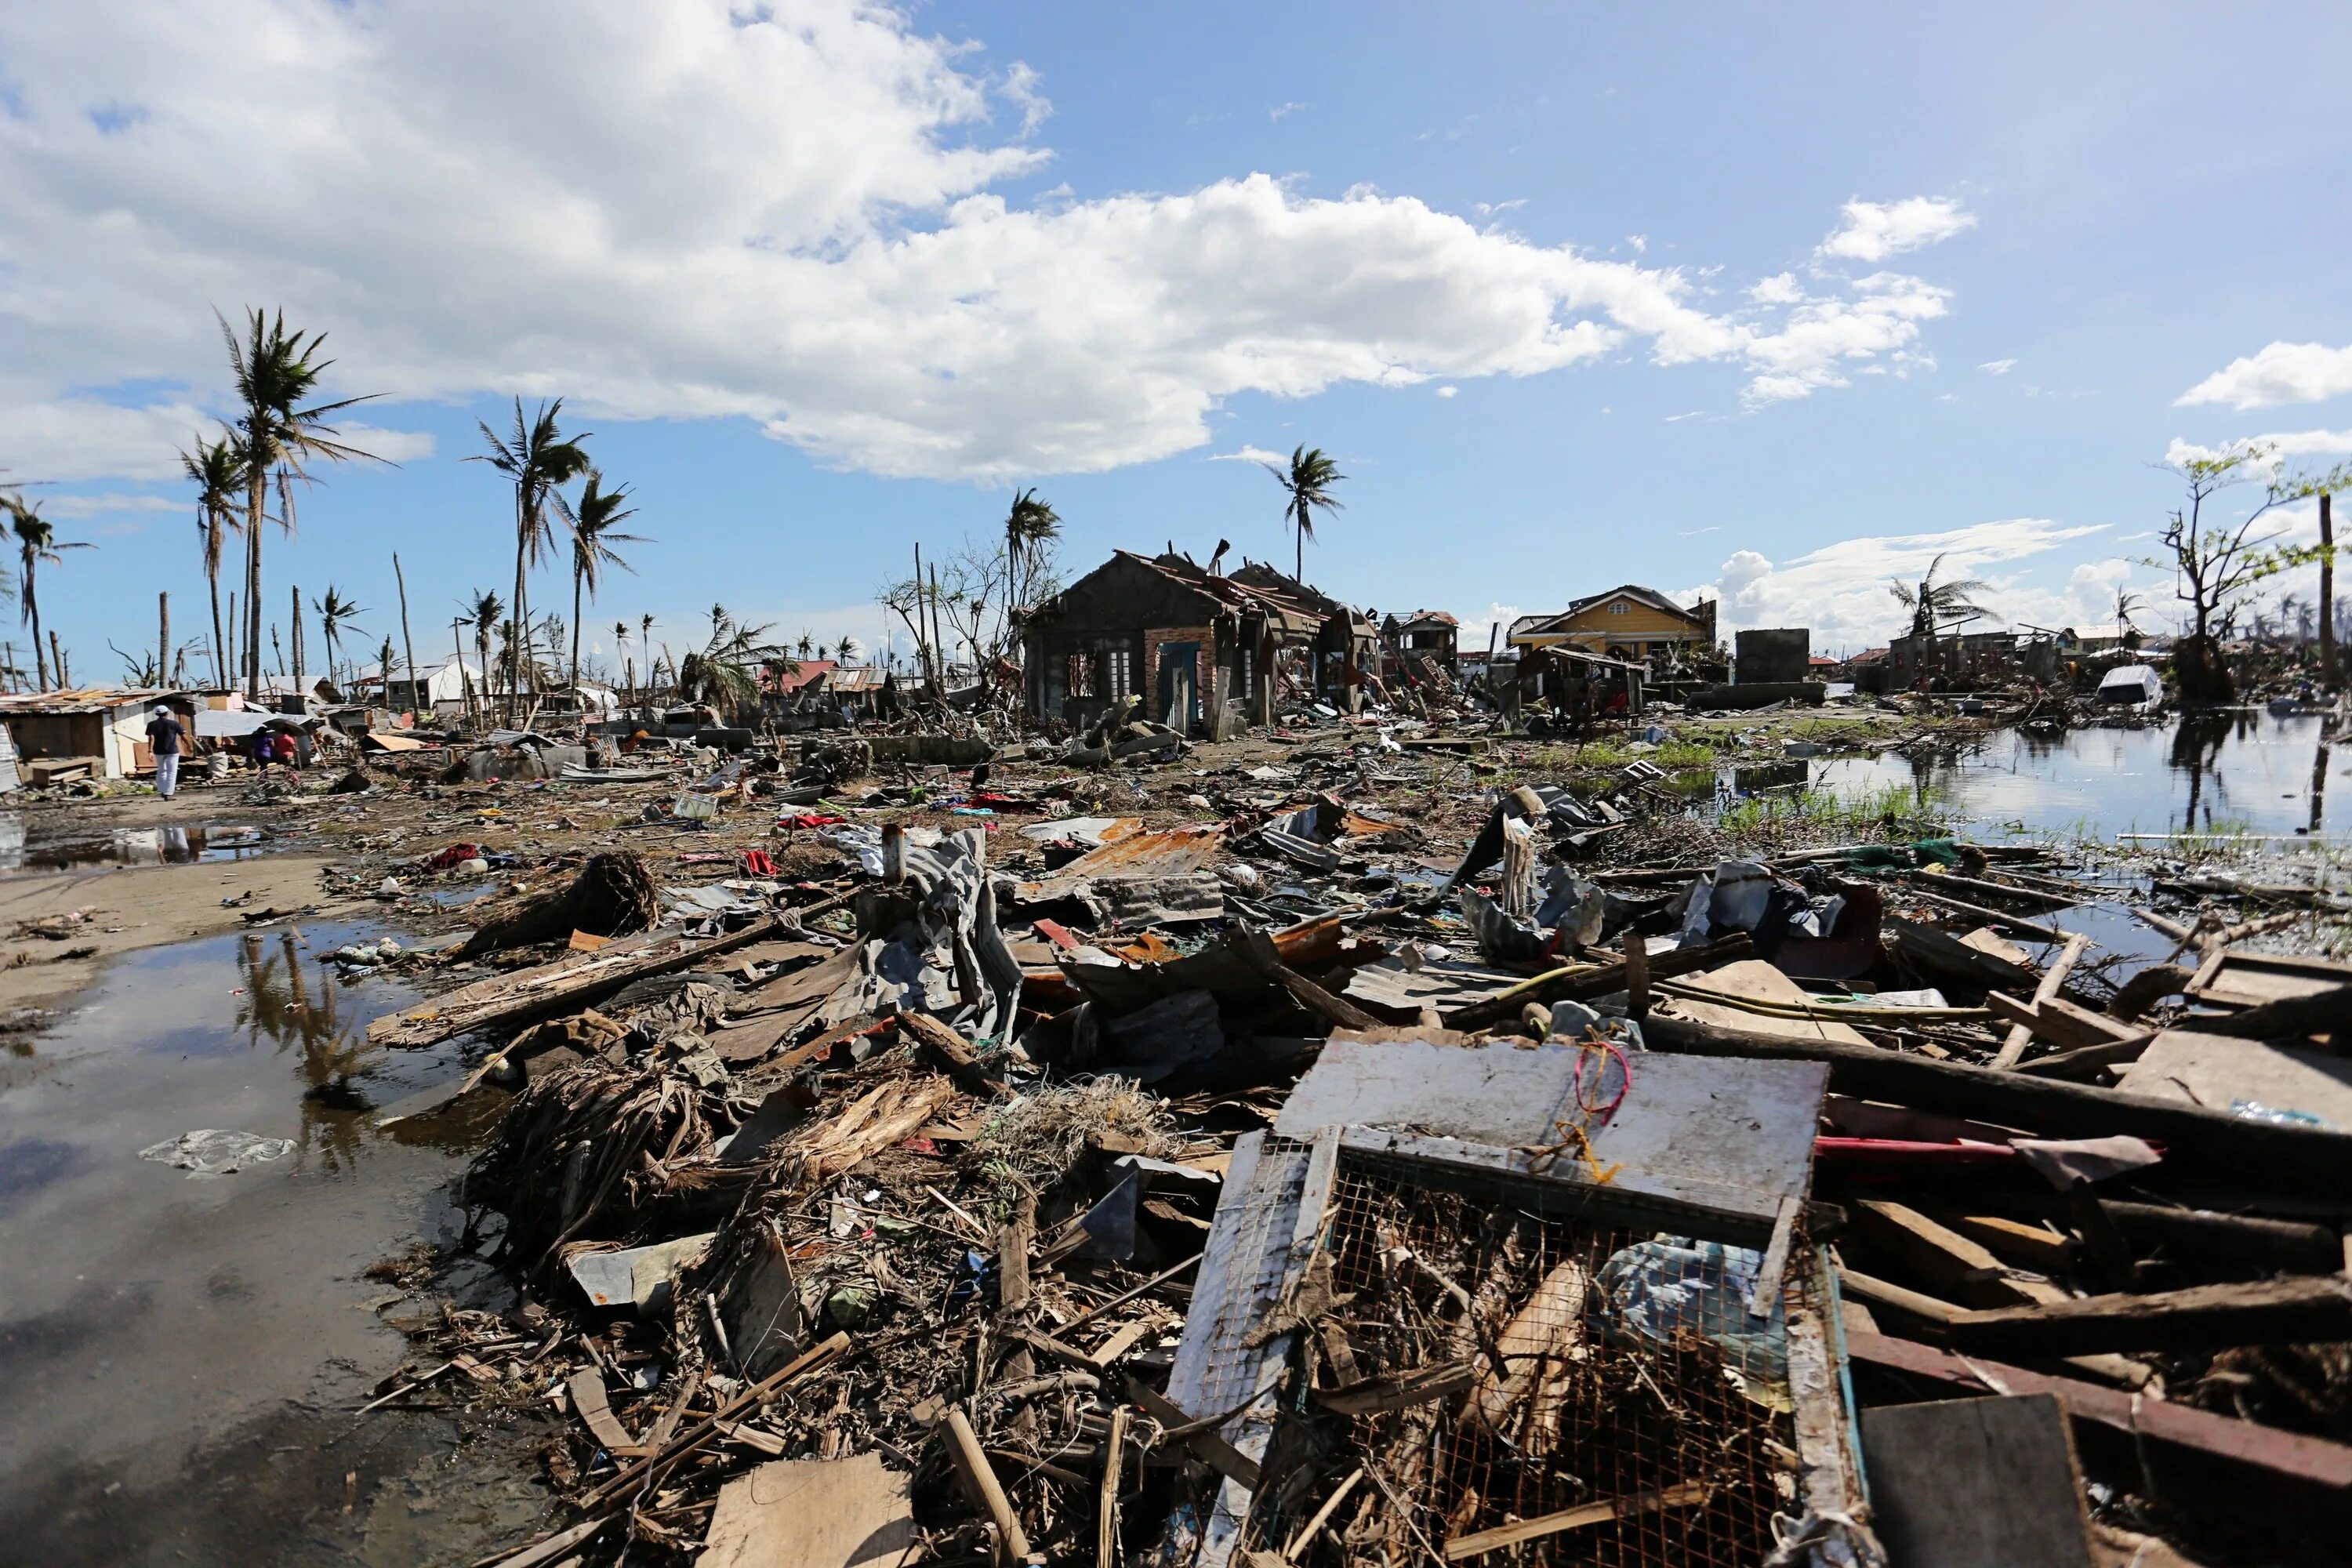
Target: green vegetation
point(1898, 811)
point(1597, 756)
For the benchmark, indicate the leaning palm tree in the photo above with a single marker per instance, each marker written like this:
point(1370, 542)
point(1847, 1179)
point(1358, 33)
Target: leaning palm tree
point(724, 673)
point(36, 542)
point(1309, 487)
point(335, 612)
point(538, 458)
point(1029, 525)
point(217, 469)
point(1934, 604)
point(278, 434)
point(620, 646)
point(594, 534)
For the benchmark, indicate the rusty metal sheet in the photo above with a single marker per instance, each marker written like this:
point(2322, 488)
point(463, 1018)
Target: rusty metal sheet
point(1152, 854)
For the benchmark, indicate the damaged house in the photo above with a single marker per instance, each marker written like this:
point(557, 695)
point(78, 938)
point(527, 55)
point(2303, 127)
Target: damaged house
point(1197, 649)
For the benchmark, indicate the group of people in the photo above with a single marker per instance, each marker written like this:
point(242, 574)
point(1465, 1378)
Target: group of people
point(168, 737)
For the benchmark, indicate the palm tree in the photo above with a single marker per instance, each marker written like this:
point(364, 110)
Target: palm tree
point(1933, 603)
point(537, 457)
point(1309, 484)
point(645, 641)
point(2126, 603)
point(276, 373)
point(723, 672)
point(594, 534)
point(620, 643)
point(335, 613)
point(36, 542)
point(483, 612)
point(217, 469)
point(846, 650)
point(1029, 526)
point(806, 643)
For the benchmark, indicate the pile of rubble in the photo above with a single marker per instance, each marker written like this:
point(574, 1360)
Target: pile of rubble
point(1052, 1186)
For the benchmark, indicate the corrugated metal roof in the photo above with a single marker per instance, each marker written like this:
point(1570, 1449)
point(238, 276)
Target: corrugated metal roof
point(85, 699)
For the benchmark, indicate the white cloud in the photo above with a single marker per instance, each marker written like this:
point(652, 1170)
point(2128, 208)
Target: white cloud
point(1638, 243)
point(1997, 366)
point(2283, 446)
point(1471, 632)
point(1250, 455)
point(62, 508)
point(1780, 288)
point(1281, 110)
point(1873, 231)
point(392, 446)
point(796, 216)
point(1841, 590)
point(1826, 335)
point(1448, 391)
point(1488, 209)
point(2282, 373)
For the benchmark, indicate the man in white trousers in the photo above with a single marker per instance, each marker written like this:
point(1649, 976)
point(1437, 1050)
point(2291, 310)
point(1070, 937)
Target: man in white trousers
point(164, 733)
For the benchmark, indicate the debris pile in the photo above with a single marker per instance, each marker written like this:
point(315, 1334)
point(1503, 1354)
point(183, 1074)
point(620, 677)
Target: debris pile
point(1233, 1172)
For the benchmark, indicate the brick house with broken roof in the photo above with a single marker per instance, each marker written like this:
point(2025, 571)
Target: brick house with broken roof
point(1200, 649)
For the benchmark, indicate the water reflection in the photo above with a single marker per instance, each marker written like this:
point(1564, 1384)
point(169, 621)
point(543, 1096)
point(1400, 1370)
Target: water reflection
point(176, 845)
point(295, 1011)
point(2249, 771)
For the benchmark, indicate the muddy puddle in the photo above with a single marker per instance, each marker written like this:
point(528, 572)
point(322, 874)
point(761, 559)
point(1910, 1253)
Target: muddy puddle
point(182, 1355)
point(168, 846)
point(2248, 773)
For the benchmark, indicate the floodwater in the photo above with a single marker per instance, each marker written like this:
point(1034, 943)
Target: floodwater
point(170, 846)
point(2246, 773)
point(181, 1356)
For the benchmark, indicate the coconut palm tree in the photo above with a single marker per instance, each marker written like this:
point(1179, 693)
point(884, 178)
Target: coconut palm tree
point(724, 672)
point(335, 612)
point(1934, 604)
point(620, 646)
point(537, 457)
point(278, 434)
point(1309, 487)
point(484, 613)
point(1029, 526)
point(846, 650)
point(217, 471)
point(594, 534)
point(36, 542)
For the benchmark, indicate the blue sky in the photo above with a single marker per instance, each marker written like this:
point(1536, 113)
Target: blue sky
point(1767, 302)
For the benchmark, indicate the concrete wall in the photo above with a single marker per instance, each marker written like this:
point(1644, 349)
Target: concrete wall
point(1766, 654)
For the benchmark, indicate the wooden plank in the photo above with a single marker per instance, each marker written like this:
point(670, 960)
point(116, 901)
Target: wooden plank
point(591, 1402)
point(2061, 1022)
point(1686, 1494)
point(2019, 1035)
point(1399, 1390)
point(562, 986)
point(2204, 1143)
point(979, 1478)
point(1220, 1455)
point(2217, 1071)
point(1584, 981)
point(1977, 1483)
point(1107, 1499)
point(2034, 1247)
point(1947, 1261)
point(2201, 1317)
point(814, 1513)
point(2084, 1063)
point(2312, 1460)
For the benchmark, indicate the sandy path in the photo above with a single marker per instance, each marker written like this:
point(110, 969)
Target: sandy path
point(129, 907)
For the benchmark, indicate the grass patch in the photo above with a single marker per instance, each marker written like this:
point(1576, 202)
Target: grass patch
point(1895, 811)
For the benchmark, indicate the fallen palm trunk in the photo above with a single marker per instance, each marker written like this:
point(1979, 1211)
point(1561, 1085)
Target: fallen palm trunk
point(613, 896)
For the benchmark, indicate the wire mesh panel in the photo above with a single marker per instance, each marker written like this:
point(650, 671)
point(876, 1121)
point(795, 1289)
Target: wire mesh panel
point(1531, 1387)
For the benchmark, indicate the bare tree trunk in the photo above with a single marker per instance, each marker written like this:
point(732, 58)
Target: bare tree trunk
point(408, 642)
point(2327, 593)
point(220, 647)
point(33, 608)
point(256, 498)
point(57, 657)
point(163, 638)
point(297, 671)
point(228, 676)
point(575, 634)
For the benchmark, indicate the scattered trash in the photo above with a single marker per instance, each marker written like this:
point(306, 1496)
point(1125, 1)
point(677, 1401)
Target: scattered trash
point(216, 1152)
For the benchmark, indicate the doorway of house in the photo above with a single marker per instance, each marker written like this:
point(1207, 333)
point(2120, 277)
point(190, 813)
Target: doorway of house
point(1180, 695)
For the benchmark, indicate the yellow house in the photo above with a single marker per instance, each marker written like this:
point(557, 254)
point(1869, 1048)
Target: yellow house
point(1627, 622)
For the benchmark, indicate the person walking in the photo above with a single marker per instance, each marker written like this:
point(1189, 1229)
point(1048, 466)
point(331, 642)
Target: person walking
point(164, 733)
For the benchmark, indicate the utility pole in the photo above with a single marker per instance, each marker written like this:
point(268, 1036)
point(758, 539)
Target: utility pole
point(923, 622)
point(2327, 678)
point(163, 638)
point(297, 671)
point(407, 641)
point(228, 676)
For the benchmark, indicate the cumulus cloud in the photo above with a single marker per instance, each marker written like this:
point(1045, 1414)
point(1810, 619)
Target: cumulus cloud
point(2279, 448)
point(2282, 373)
point(1825, 336)
point(797, 215)
point(1841, 590)
point(1448, 391)
point(1873, 231)
point(58, 509)
point(1780, 288)
point(1250, 455)
point(1997, 366)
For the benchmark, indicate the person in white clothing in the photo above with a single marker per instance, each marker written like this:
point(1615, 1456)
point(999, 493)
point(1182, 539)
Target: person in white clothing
point(164, 733)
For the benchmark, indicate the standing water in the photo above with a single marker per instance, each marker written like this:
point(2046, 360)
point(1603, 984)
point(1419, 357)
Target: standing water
point(183, 1355)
